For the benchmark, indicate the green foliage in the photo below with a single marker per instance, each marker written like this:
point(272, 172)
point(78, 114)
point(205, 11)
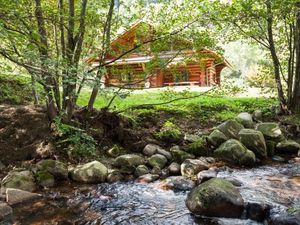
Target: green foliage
point(169, 132)
point(199, 147)
point(73, 141)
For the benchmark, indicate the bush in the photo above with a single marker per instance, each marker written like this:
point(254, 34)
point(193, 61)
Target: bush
point(73, 141)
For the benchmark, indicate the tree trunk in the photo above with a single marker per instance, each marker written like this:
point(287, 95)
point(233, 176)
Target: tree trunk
point(276, 63)
point(295, 106)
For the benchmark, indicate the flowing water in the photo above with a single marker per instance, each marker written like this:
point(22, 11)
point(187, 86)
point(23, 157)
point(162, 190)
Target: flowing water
point(148, 204)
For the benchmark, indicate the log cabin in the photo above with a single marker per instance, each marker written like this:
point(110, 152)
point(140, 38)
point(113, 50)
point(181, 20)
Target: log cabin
point(138, 58)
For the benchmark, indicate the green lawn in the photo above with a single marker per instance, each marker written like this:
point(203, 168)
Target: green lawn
point(205, 107)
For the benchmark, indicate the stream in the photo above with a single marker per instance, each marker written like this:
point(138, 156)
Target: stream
point(147, 204)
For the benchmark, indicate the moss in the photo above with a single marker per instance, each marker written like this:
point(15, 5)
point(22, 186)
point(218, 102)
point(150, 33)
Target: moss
point(169, 133)
point(42, 176)
point(199, 147)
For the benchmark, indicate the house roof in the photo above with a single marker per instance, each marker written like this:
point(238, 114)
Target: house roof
point(144, 58)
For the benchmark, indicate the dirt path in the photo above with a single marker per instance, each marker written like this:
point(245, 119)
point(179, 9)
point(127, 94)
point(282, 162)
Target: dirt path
point(24, 133)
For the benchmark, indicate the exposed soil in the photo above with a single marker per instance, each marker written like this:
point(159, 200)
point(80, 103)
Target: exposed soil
point(24, 134)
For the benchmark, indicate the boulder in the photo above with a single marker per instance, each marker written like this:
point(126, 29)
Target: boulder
point(114, 151)
point(16, 196)
point(58, 169)
point(245, 119)
point(165, 153)
point(5, 210)
point(230, 128)
point(179, 155)
point(288, 146)
point(191, 137)
point(150, 149)
point(178, 183)
point(254, 140)
point(257, 211)
point(129, 160)
point(141, 170)
point(271, 131)
point(205, 175)
point(234, 152)
point(23, 180)
point(158, 161)
point(216, 198)
point(174, 168)
point(190, 167)
point(44, 179)
point(92, 172)
point(216, 138)
point(257, 115)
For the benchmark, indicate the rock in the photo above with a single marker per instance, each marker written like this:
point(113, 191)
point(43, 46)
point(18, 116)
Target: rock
point(216, 198)
point(141, 170)
point(230, 128)
point(257, 211)
point(191, 137)
point(236, 182)
point(205, 175)
point(129, 160)
point(174, 168)
point(147, 178)
point(245, 119)
point(158, 161)
point(288, 146)
point(114, 151)
point(257, 115)
point(271, 145)
point(271, 131)
point(92, 172)
point(199, 147)
point(114, 176)
point(178, 183)
point(234, 152)
point(190, 167)
point(169, 133)
point(179, 155)
point(278, 158)
point(16, 196)
point(150, 149)
point(44, 179)
point(254, 140)
point(216, 138)
point(23, 180)
point(5, 210)
point(58, 169)
point(284, 218)
point(165, 153)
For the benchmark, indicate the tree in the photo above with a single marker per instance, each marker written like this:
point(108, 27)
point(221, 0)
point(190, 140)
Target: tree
point(274, 24)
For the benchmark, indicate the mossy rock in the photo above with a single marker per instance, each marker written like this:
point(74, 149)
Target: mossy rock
point(288, 147)
point(271, 131)
point(230, 128)
point(44, 179)
point(169, 133)
point(158, 161)
point(179, 155)
point(234, 152)
point(58, 169)
point(271, 145)
point(114, 151)
point(216, 198)
point(216, 138)
point(141, 170)
point(23, 180)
